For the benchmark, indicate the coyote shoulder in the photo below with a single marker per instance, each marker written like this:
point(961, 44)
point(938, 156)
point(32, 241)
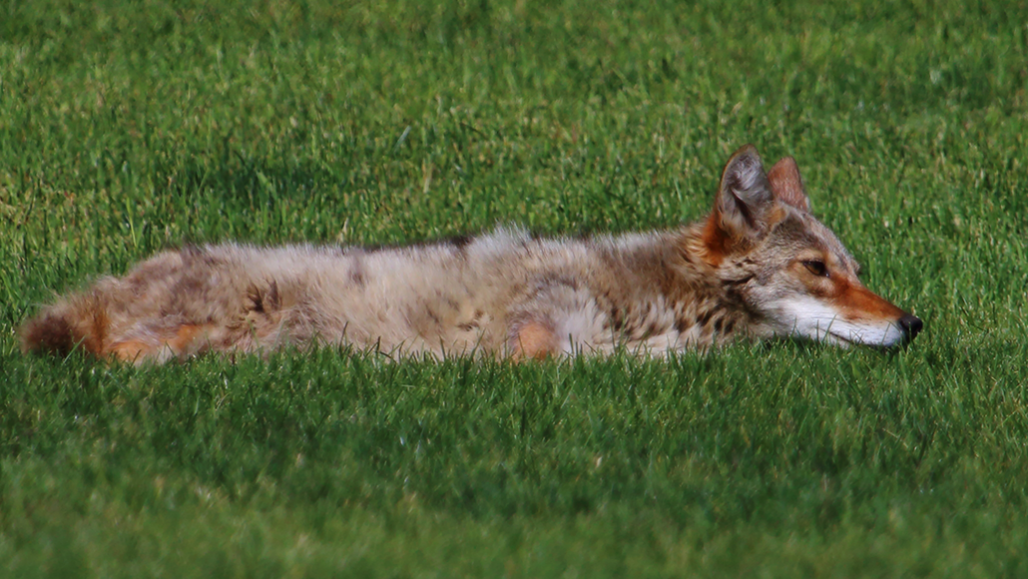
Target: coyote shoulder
point(759, 266)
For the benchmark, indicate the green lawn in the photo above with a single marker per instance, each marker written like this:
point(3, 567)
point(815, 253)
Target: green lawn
point(128, 127)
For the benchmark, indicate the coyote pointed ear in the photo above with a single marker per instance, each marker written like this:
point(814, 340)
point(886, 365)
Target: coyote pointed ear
point(744, 199)
point(787, 185)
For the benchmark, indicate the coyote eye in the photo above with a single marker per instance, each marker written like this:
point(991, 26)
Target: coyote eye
point(816, 267)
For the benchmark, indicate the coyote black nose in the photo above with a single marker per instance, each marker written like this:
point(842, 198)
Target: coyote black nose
point(911, 325)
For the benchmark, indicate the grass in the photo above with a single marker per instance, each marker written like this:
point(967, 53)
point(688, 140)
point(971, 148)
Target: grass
point(127, 127)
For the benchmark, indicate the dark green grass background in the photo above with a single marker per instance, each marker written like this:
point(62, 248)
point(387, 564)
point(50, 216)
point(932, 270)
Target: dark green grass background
point(131, 126)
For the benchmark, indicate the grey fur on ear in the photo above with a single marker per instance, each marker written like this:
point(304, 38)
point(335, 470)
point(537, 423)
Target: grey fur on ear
point(745, 195)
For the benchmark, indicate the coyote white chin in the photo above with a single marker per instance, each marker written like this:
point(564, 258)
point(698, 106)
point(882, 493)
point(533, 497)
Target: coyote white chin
point(759, 266)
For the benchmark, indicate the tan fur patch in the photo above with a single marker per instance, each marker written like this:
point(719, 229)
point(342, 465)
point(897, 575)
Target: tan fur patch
point(534, 340)
point(185, 336)
point(179, 342)
point(129, 350)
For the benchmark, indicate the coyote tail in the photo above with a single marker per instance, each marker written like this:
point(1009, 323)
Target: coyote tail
point(79, 322)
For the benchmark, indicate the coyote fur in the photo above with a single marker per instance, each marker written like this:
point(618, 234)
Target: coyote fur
point(759, 266)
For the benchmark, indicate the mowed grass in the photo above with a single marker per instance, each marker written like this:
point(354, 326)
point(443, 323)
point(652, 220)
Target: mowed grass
point(128, 127)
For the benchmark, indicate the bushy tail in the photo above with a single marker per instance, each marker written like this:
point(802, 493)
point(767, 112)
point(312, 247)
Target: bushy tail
point(79, 322)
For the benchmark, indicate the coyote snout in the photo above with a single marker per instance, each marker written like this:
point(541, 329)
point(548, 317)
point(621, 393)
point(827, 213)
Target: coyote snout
point(759, 266)
point(857, 317)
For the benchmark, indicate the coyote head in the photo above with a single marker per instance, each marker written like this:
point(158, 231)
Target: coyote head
point(787, 269)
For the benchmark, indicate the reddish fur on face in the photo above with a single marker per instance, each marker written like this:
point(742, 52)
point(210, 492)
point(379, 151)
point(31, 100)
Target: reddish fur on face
point(856, 302)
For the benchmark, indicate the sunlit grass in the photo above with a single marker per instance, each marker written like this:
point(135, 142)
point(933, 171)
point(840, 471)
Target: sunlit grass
point(129, 127)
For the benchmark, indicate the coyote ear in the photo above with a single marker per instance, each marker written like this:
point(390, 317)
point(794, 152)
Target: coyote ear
point(787, 185)
point(744, 199)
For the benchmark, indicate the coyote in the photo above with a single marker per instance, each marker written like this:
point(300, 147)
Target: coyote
point(759, 266)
